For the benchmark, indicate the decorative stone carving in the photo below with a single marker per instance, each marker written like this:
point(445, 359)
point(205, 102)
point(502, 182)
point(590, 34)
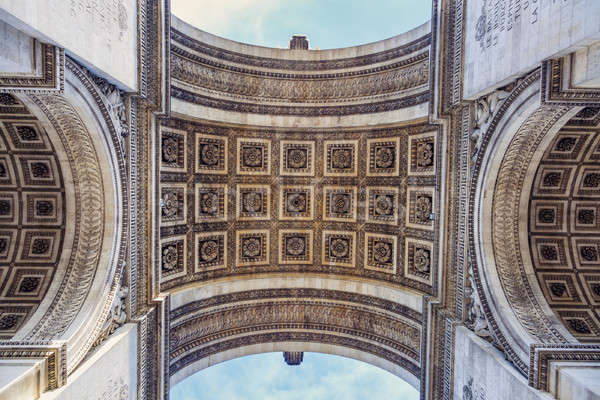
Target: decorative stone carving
point(32, 214)
point(483, 111)
point(115, 100)
point(267, 316)
point(476, 320)
point(115, 389)
point(117, 316)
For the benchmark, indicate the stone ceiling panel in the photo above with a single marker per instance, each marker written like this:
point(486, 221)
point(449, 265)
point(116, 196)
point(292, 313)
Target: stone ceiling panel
point(564, 225)
point(32, 214)
point(359, 203)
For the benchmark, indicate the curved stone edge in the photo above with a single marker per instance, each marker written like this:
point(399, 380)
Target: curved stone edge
point(498, 331)
point(81, 274)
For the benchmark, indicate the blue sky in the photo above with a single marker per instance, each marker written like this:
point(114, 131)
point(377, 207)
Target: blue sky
point(268, 377)
point(327, 23)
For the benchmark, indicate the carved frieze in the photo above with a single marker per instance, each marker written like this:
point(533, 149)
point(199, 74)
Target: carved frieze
point(219, 78)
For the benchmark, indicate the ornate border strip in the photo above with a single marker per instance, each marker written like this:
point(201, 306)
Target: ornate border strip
point(178, 51)
point(299, 65)
point(253, 108)
point(291, 336)
point(321, 294)
point(473, 220)
point(505, 223)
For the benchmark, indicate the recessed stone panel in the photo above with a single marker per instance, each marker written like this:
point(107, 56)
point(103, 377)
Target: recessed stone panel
point(381, 253)
point(39, 245)
point(585, 216)
point(296, 202)
point(26, 135)
point(587, 251)
point(553, 180)
point(38, 171)
point(43, 208)
point(173, 209)
point(252, 247)
point(211, 202)
point(339, 203)
point(253, 202)
point(384, 157)
point(173, 257)
point(568, 146)
point(548, 216)
point(339, 248)
point(588, 182)
point(418, 263)
point(211, 154)
point(297, 158)
point(382, 205)
point(421, 160)
point(173, 143)
point(253, 156)
point(9, 208)
point(420, 208)
point(7, 173)
point(210, 251)
point(295, 246)
point(340, 157)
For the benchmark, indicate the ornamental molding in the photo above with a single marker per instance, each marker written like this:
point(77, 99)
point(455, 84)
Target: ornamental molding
point(81, 269)
point(310, 315)
point(54, 352)
point(89, 225)
point(51, 67)
point(516, 286)
point(542, 356)
point(506, 223)
point(298, 65)
point(394, 79)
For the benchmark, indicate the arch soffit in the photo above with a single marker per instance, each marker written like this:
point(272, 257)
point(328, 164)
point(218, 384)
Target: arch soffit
point(309, 314)
point(81, 300)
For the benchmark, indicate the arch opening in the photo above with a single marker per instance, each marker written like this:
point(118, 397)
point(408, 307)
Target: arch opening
point(320, 375)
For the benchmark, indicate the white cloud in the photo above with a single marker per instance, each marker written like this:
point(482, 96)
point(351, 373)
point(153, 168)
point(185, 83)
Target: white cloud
point(222, 17)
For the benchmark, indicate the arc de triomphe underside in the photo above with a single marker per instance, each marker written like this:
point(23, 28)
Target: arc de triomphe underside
point(428, 204)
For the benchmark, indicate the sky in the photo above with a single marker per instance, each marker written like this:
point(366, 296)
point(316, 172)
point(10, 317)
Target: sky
point(327, 23)
point(267, 377)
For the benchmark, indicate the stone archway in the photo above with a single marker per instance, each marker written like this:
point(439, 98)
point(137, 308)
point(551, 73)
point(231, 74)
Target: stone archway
point(90, 194)
point(221, 323)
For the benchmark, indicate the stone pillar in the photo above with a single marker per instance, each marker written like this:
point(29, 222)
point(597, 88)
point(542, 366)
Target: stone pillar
point(481, 372)
point(109, 372)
